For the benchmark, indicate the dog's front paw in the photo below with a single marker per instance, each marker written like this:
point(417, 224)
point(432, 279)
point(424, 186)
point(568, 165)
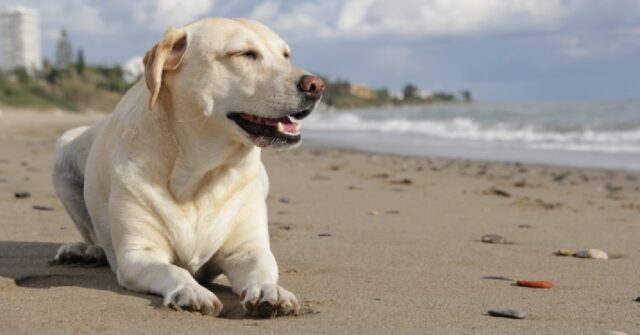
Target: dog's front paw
point(268, 301)
point(194, 298)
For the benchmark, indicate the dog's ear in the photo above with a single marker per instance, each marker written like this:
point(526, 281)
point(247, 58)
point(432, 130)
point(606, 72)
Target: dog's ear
point(164, 56)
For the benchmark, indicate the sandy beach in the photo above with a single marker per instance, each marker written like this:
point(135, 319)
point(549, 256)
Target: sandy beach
point(371, 244)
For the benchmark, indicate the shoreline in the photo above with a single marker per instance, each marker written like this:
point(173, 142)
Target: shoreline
point(541, 157)
point(369, 243)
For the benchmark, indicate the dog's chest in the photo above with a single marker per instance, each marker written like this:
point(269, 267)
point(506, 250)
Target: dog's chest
point(204, 227)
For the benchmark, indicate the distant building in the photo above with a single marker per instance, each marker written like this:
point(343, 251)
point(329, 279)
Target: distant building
point(398, 95)
point(425, 94)
point(362, 91)
point(20, 39)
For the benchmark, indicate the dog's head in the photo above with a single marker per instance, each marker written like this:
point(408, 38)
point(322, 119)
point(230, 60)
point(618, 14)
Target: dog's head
point(233, 76)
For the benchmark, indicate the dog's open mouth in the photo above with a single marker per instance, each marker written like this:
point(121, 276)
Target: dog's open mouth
point(271, 131)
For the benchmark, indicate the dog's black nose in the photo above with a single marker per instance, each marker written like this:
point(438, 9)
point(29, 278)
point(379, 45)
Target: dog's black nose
point(312, 86)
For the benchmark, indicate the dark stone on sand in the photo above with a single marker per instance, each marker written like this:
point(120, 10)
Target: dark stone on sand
point(393, 211)
point(520, 183)
point(558, 177)
point(493, 238)
point(22, 195)
point(325, 235)
point(524, 226)
point(637, 299)
point(42, 208)
point(613, 188)
point(405, 181)
point(498, 192)
point(285, 200)
point(508, 313)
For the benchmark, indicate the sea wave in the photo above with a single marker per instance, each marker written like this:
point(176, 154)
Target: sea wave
point(462, 128)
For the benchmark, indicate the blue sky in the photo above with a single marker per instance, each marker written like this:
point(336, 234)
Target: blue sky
point(502, 50)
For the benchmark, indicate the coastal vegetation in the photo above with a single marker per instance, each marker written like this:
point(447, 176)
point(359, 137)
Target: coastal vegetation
point(77, 86)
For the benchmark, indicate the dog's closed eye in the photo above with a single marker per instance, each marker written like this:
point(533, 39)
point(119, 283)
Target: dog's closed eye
point(251, 54)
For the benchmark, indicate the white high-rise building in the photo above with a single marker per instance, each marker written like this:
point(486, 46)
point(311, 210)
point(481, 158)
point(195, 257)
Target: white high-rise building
point(20, 39)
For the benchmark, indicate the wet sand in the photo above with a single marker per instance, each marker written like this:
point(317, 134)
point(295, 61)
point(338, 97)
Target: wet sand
point(369, 243)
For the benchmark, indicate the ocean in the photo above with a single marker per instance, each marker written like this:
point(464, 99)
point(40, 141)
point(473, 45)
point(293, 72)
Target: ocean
point(587, 134)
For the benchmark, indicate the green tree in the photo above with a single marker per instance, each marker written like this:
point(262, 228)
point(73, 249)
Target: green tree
point(466, 95)
point(410, 92)
point(80, 65)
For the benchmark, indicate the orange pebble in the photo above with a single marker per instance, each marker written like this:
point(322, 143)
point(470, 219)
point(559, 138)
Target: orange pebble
point(535, 283)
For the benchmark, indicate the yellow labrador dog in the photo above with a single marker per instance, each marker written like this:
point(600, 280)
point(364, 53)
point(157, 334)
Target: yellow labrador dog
point(169, 189)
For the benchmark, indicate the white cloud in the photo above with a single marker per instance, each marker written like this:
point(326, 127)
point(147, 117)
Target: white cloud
point(133, 69)
point(265, 11)
point(414, 18)
point(74, 15)
point(303, 19)
point(353, 13)
point(159, 14)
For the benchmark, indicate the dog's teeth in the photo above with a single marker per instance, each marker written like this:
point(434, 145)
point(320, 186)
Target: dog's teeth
point(280, 127)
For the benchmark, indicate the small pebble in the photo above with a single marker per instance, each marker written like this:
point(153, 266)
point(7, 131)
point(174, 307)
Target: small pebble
point(493, 238)
point(638, 299)
point(520, 183)
point(592, 253)
point(498, 192)
point(374, 213)
point(22, 195)
point(564, 252)
point(535, 283)
point(405, 181)
point(42, 208)
point(393, 211)
point(285, 200)
point(524, 226)
point(325, 234)
point(508, 313)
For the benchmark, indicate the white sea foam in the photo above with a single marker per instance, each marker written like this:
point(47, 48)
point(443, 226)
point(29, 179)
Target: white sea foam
point(528, 134)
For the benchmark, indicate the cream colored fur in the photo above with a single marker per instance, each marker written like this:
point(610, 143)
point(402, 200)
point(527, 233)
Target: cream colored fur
point(168, 188)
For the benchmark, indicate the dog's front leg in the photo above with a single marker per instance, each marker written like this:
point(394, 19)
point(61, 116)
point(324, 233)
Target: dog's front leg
point(145, 270)
point(253, 273)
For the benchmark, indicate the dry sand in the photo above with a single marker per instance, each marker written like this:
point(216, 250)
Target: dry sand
point(403, 254)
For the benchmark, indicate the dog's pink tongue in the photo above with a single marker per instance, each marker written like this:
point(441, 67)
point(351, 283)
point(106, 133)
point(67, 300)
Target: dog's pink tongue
point(292, 127)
